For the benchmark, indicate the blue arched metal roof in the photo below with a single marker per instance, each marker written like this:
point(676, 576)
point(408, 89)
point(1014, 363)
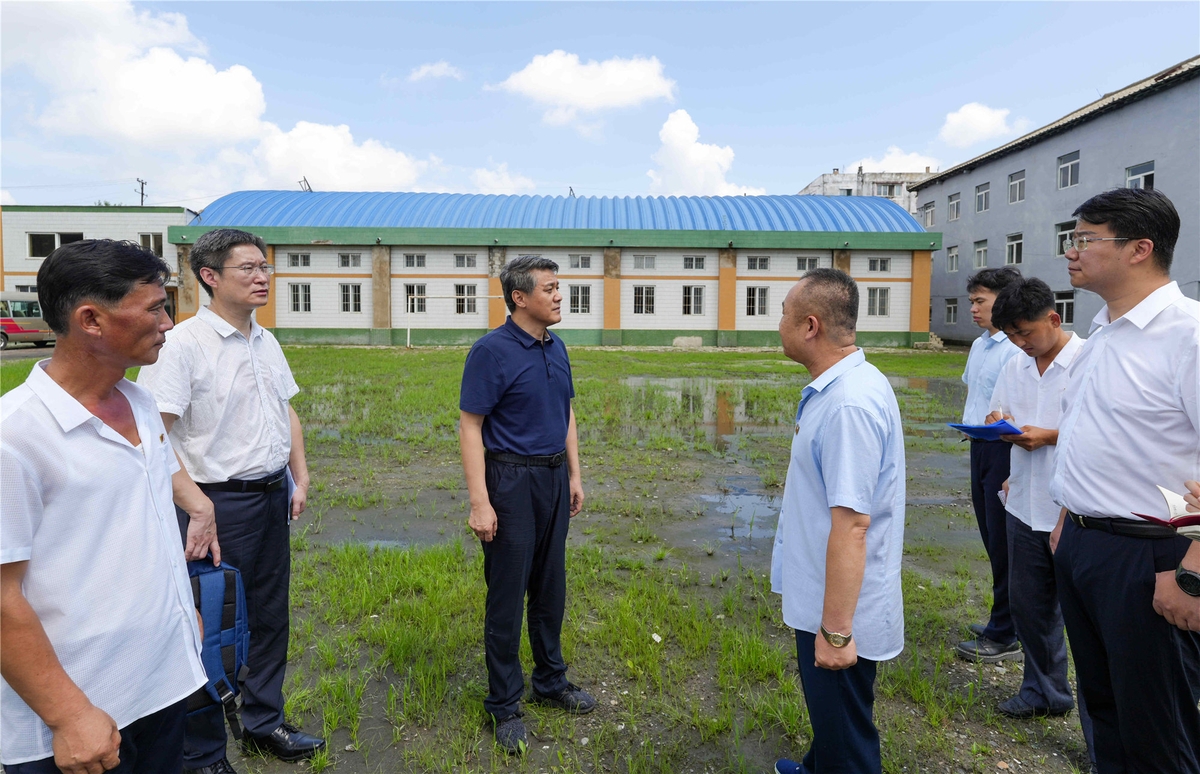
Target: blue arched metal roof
point(251, 209)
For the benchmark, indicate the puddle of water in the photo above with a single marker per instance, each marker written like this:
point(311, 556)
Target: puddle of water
point(738, 513)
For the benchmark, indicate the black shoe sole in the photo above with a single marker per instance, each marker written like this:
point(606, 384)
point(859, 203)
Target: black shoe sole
point(559, 704)
point(254, 748)
point(1012, 655)
point(1033, 713)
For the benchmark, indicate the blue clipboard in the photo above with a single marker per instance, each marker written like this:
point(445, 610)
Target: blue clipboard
point(990, 432)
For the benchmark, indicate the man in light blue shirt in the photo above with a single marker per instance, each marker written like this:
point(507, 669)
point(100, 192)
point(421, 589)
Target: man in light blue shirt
point(839, 543)
point(997, 640)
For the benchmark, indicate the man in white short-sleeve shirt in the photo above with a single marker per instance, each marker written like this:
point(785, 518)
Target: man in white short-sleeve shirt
point(223, 386)
point(99, 645)
point(838, 546)
point(1130, 589)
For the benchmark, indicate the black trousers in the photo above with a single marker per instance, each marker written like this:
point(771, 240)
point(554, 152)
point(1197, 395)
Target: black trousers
point(989, 470)
point(252, 528)
point(149, 745)
point(841, 705)
point(1139, 674)
point(527, 556)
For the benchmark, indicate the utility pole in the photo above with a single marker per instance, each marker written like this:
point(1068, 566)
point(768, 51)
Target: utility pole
point(142, 193)
point(304, 186)
point(571, 191)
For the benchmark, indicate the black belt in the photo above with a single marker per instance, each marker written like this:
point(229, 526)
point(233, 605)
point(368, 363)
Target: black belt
point(236, 485)
point(545, 461)
point(1126, 527)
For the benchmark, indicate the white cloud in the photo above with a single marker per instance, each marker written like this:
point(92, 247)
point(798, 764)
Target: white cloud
point(896, 160)
point(567, 86)
point(6, 197)
point(332, 161)
point(442, 69)
point(687, 166)
point(975, 122)
point(498, 180)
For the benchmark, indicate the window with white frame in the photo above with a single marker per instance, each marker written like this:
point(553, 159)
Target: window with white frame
point(846, 192)
point(1068, 170)
point(414, 297)
point(296, 260)
point(643, 299)
point(414, 260)
point(756, 302)
point(581, 299)
point(981, 254)
point(952, 258)
point(1014, 250)
point(643, 261)
point(758, 262)
point(983, 197)
point(953, 207)
point(695, 262)
point(464, 260)
point(464, 299)
point(1062, 234)
point(1016, 187)
point(26, 288)
point(351, 297)
point(301, 296)
point(693, 299)
point(1064, 304)
point(152, 242)
point(579, 261)
point(349, 260)
point(951, 311)
point(886, 189)
point(879, 264)
point(807, 263)
point(41, 245)
point(877, 302)
point(927, 215)
point(1141, 176)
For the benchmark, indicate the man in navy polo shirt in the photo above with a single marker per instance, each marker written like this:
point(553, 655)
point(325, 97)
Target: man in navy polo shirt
point(520, 455)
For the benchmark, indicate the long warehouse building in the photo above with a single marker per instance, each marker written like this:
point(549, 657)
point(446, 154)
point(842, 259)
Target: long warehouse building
point(421, 268)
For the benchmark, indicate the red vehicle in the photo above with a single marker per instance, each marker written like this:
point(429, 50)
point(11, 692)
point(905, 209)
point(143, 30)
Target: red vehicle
point(21, 320)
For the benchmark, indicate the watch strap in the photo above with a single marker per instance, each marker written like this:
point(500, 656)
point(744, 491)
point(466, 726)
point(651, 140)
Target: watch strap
point(836, 639)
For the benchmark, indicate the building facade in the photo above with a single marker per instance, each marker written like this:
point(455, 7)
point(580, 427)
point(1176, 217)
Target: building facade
point(1012, 206)
point(423, 269)
point(896, 186)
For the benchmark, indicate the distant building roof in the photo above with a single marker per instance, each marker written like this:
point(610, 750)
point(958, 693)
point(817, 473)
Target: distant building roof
point(1172, 76)
point(259, 209)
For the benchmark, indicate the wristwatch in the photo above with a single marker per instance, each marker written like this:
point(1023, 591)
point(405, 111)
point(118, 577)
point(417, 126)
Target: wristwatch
point(838, 640)
point(1188, 581)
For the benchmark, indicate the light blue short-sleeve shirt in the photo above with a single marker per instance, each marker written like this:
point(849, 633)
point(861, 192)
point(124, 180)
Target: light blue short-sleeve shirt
point(988, 355)
point(848, 451)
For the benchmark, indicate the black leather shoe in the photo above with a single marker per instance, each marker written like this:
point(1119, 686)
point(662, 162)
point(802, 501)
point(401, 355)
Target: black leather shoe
point(573, 699)
point(287, 743)
point(220, 767)
point(1016, 707)
point(977, 629)
point(988, 652)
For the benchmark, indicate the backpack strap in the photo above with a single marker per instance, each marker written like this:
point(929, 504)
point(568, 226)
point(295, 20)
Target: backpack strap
point(214, 588)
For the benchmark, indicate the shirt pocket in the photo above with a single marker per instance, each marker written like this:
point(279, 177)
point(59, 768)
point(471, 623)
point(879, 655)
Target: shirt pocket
point(280, 384)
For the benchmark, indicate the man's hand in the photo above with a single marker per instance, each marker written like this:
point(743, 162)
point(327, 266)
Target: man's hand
point(202, 531)
point(1004, 487)
point(86, 742)
point(1173, 604)
point(576, 495)
point(1192, 496)
point(1032, 438)
point(829, 657)
point(483, 521)
point(995, 417)
point(299, 499)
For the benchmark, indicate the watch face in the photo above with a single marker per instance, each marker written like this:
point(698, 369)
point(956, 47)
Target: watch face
point(1188, 581)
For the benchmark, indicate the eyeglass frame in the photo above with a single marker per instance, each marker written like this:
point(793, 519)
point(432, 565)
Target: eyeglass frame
point(250, 269)
point(1073, 244)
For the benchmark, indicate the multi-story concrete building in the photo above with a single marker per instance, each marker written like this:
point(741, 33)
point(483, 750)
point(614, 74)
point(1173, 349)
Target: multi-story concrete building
point(897, 186)
point(1012, 205)
point(29, 233)
point(393, 268)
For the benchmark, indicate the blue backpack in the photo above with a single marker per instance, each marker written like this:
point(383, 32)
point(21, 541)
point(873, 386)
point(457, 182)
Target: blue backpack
point(221, 601)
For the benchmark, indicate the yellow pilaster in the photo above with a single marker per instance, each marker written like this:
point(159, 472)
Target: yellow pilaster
point(727, 297)
point(266, 315)
point(611, 333)
point(922, 269)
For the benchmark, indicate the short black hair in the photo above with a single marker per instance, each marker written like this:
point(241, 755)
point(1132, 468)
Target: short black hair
point(833, 295)
point(100, 270)
point(1136, 213)
point(1025, 300)
point(213, 247)
point(994, 280)
point(517, 274)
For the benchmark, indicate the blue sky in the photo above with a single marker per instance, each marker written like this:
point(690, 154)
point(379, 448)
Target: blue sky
point(610, 98)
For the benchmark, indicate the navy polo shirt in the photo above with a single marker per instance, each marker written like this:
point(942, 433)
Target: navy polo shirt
point(522, 387)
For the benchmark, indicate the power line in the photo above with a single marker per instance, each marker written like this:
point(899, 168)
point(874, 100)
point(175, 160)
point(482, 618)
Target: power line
point(121, 181)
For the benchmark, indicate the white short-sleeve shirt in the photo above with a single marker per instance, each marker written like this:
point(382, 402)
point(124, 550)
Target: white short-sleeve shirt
point(1034, 399)
point(1131, 411)
point(93, 517)
point(231, 396)
point(988, 355)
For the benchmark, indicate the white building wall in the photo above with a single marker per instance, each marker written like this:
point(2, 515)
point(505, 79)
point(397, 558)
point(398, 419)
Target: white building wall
point(900, 265)
point(899, 304)
point(782, 263)
point(440, 307)
point(324, 275)
point(594, 319)
point(668, 305)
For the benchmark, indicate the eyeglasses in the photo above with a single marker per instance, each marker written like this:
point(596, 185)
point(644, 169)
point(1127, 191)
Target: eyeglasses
point(250, 269)
point(1079, 244)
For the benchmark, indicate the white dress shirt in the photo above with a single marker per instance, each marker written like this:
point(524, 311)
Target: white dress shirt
point(988, 355)
point(93, 517)
point(1131, 412)
point(1034, 399)
point(230, 394)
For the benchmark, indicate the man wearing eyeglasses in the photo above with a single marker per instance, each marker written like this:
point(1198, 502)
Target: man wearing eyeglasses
point(223, 384)
point(1129, 589)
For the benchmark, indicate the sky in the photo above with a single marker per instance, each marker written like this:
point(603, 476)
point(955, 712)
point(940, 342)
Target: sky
point(607, 99)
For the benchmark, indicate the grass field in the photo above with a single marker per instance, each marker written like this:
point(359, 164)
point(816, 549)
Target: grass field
point(670, 623)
